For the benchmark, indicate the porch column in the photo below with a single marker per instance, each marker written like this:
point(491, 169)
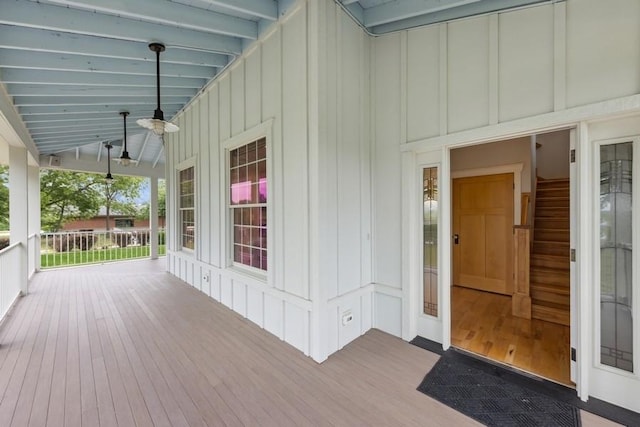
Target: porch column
point(153, 217)
point(34, 213)
point(18, 208)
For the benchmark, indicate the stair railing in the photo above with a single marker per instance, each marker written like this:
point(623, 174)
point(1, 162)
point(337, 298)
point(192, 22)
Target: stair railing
point(521, 299)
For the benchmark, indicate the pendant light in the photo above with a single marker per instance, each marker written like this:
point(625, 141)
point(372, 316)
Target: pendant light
point(108, 178)
point(157, 124)
point(125, 160)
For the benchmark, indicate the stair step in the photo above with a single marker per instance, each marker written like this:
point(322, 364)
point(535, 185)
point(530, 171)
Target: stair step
point(551, 235)
point(552, 212)
point(551, 276)
point(543, 297)
point(552, 202)
point(551, 223)
point(550, 312)
point(549, 261)
point(550, 248)
point(547, 287)
point(552, 183)
point(552, 192)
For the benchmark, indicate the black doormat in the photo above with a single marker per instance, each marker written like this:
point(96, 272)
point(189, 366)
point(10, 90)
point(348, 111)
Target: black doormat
point(484, 392)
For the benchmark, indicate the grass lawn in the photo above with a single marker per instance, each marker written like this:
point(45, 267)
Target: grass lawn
point(77, 257)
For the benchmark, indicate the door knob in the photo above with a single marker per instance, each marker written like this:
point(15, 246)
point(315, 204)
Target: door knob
point(456, 239)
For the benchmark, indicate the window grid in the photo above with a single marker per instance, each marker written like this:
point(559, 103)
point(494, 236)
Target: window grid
point(187, 205)
point(248, 204)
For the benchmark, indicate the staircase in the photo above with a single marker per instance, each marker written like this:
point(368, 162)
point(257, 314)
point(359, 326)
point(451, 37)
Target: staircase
point(549, 273)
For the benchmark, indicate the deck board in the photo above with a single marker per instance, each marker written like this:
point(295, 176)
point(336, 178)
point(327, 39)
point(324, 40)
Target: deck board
point(128, 344)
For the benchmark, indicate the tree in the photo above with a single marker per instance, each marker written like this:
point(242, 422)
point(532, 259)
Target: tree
point(120, 195)
point(162, 196)
point(67, 195)
point(4, 198)
point(74, 195)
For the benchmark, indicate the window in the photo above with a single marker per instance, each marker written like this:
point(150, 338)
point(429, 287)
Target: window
point(186, 207)
point(124, 222)
point(248, 204)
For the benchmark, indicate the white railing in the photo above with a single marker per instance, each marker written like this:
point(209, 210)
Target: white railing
point(86, 247)
point(33, 254)
point(10, 266)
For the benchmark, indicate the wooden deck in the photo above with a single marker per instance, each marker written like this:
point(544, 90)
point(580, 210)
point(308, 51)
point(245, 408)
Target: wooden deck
point(128, 344)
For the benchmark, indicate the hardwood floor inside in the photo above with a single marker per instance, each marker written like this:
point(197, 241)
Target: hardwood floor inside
point(481, 322)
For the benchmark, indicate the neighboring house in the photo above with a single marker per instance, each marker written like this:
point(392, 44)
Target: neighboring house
point(321, 135)
point(116, 221)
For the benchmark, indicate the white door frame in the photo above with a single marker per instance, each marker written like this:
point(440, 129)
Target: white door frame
point(413, 163)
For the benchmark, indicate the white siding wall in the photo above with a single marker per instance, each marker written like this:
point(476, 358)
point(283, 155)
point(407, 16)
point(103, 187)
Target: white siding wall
point(272, 81)
point(458, 82)
point(345, 170)
point(267, 83)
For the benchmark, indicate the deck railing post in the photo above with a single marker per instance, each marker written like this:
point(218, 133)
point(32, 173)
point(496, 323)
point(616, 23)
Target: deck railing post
point(153, 218)
point(18, 205)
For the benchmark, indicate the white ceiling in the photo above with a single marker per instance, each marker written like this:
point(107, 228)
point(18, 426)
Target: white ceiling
point(384, 16)
point(68, 67)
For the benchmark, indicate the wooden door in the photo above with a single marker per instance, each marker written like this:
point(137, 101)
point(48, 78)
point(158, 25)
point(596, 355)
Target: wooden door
point(483, 233)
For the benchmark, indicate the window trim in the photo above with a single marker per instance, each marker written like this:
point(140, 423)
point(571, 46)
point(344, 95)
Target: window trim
point(263, 130)
point(186, 164)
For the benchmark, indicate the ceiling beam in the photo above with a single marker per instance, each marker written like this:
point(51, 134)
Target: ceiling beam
point(86, 100)
point(69, 162)
point(147, 137)
point(49, 125)
point(159, 156)
point(73, 143)
point(12, 128)
point(472, 9)
point(37, 15)
point(11, 58)
point(38, 40)
point(264, 9)
point(102, 134)
point(89, 129)
point(113, 108)
point(79, 132)
point(51, 118)
point(99, 151)
point(164, 12)
point(125, 92)
point(50, 77)
point(398, 10)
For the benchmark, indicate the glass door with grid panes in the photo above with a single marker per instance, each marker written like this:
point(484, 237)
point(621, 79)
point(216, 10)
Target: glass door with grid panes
point(615, 374)
point(429, 321)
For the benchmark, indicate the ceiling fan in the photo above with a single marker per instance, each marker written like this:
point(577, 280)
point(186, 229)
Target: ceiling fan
point(157, 124)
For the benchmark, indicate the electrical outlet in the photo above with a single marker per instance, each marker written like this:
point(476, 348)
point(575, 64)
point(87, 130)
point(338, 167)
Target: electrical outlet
point(206, 278)
point(347, 317)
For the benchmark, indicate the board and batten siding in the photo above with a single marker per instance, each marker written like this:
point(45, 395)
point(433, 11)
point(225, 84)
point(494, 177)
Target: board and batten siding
point(345, 181)
point(272, 82)
point(460, 81)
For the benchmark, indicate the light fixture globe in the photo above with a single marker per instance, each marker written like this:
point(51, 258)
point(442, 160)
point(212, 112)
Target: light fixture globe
point(125, 160)
point(157, 124)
